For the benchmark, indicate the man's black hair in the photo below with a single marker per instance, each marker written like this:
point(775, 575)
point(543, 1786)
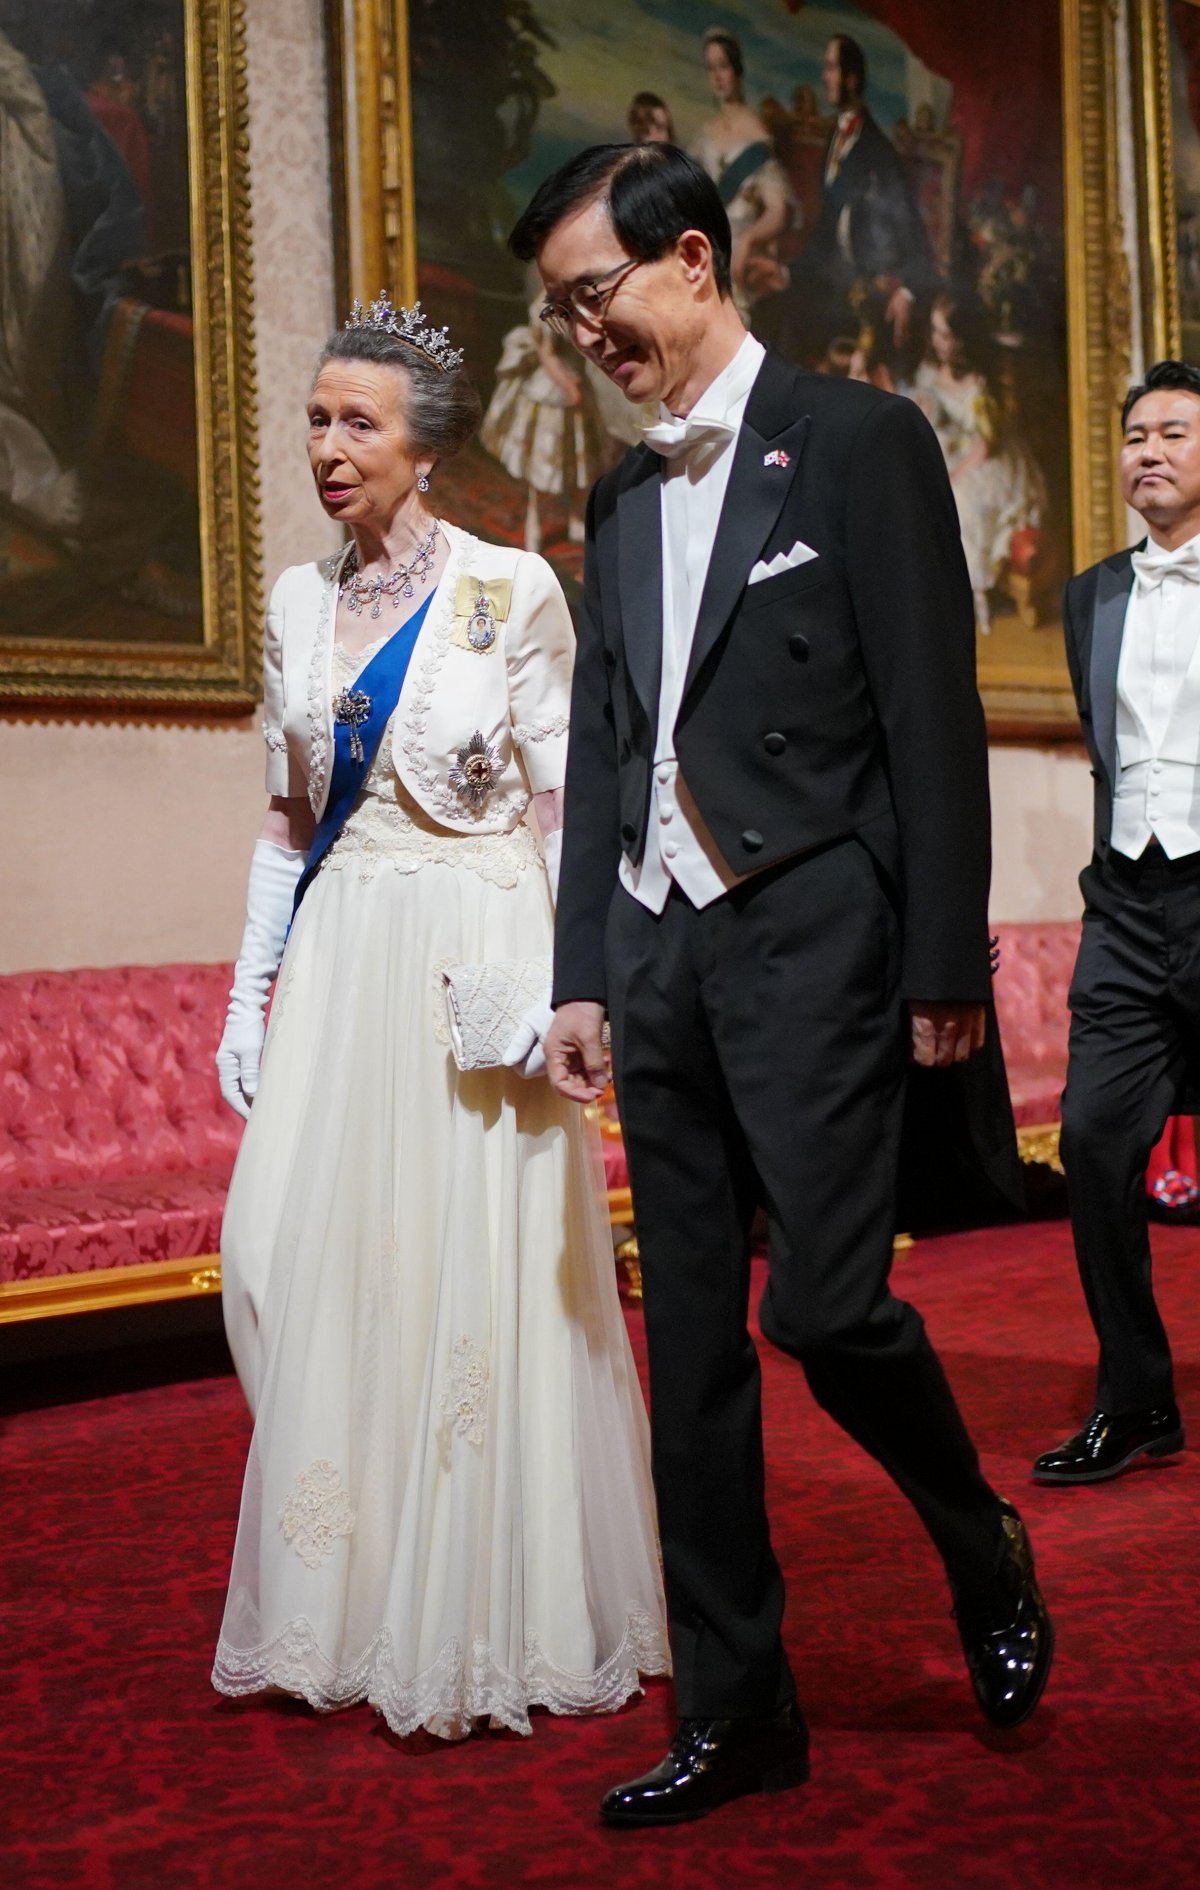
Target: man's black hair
point(852, 61)
point(1164, 374)
point(654, 193)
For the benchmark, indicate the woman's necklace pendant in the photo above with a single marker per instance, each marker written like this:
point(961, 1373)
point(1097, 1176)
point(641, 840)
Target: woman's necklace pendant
point(371, 591)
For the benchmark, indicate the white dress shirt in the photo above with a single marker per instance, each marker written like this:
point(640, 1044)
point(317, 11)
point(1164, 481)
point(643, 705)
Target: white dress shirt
point(1158, 706)
point(678, 845)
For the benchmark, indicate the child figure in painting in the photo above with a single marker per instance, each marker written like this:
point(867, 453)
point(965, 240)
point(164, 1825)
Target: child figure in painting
point(544, 425)
point(997, 485)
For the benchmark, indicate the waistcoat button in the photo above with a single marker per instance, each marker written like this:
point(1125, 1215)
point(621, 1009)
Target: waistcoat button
point(753, 841)
point(798, 646)
point(775, 743)
point(629, 832)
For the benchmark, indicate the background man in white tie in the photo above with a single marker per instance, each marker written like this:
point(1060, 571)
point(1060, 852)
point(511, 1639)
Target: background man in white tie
point(1133, 643)
point(774, 880)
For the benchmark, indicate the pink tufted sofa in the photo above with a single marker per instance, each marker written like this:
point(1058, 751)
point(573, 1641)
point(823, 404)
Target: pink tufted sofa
point(1036, 962)
point(115, 1147)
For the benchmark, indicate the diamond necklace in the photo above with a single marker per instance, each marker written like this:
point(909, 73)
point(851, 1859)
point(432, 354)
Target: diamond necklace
point(359, 590)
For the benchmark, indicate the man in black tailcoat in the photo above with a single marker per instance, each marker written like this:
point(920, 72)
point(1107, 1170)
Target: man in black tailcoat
point(868, 247)
point(774, 882)
point(1133, 644)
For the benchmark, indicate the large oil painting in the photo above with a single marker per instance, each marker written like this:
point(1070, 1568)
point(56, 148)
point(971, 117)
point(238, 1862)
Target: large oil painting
point(1182, 19)
point(895, 184)
point(123, 513)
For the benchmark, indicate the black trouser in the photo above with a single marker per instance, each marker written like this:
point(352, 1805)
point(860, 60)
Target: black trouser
point(759, 1049)
point(1135, 1032)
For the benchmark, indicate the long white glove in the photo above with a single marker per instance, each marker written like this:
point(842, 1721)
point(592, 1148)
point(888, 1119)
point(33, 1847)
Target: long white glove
point(525, 1053)
point(274, 873)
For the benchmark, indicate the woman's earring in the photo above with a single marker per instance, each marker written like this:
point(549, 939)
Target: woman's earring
point(423, 483)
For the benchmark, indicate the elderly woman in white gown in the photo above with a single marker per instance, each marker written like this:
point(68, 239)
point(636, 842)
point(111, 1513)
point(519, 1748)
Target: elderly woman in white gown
point(447, 1508)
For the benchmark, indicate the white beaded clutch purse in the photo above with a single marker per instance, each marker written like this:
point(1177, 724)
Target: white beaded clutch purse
point(486, 1003)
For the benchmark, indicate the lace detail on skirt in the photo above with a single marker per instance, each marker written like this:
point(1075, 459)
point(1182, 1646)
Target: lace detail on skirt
point(316, 1513)
point(459, 1686)
point(465, 1398)
point(381, 831)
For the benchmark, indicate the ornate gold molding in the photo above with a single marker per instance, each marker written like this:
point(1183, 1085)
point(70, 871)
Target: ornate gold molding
point(221, 675)
point(373, 154)
point(1039, 1143)
point(146, 1285)
point(1099, 297)
point(1161, 326)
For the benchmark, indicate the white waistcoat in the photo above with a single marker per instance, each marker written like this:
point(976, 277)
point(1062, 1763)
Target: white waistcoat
point(515, 695)
point(1158, 722)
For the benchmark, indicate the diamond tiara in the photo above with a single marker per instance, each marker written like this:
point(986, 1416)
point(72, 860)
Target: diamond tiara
point(408, 324)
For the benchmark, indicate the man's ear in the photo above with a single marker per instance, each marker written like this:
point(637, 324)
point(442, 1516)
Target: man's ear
point(695, 253)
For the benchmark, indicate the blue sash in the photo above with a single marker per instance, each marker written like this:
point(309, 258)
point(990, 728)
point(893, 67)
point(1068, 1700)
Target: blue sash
point(743, 167)
point(372, 697)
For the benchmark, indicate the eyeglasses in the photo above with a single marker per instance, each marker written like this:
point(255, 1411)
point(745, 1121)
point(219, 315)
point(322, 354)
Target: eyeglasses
point(588, 301)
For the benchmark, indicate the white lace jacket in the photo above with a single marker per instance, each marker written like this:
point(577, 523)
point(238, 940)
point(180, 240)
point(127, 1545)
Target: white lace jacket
point(515, 694)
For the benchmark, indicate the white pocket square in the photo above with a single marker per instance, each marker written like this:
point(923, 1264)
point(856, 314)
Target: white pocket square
point(800, 553)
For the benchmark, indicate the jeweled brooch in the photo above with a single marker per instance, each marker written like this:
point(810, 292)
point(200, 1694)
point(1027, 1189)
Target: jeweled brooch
point(476, 771)
point(481, 624)
point(352, 708)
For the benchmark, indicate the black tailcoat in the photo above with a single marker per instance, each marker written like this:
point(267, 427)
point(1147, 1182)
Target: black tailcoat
point(1135, 1020)
point(862, 659)
point(1094, 607)
point(831, 736)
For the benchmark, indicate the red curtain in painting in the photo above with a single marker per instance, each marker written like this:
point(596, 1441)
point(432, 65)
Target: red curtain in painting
point(1004, 64)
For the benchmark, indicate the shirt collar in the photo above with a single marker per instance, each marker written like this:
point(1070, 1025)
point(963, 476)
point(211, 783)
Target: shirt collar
point(726, 397)
point(1189, 548)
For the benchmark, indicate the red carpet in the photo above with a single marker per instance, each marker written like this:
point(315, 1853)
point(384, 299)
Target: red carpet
point(120, 1770)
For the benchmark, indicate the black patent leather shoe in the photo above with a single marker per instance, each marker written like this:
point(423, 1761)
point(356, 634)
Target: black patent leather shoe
point(1109, 1443)
point(711, 1761)
point(1007, 1634)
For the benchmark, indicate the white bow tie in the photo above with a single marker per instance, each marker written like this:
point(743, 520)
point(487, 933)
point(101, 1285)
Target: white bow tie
point(1154, 564)
point(671, 438)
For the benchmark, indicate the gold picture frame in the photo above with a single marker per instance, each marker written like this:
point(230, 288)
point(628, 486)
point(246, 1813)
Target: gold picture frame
point(372, 139)
point(1027, 695)
point(1167, 334)
point(217, 671)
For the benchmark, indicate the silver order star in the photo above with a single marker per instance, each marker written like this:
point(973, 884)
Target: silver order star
point(475, 772)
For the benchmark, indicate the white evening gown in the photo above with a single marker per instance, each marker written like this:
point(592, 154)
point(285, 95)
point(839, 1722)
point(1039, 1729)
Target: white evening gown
point(447, 1507)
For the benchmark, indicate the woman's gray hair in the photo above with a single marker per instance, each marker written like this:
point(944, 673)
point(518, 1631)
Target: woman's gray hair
point(441, 408)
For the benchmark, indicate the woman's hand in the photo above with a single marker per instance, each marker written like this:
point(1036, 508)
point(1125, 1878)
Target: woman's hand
point(275, 869)
point(943, 1034)
point(239, 1057)
point(575, 1059)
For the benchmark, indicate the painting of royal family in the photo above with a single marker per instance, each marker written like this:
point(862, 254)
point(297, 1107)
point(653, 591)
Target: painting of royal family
point(897, 216)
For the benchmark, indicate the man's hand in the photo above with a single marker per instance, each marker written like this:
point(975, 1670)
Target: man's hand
point(575, 1060)
point(943, 1034)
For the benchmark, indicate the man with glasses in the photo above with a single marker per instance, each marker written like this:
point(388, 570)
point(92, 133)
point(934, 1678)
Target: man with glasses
point(774, 881)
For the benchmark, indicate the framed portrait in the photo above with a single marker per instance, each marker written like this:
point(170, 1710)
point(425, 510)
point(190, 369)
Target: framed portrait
point(897, 215)
point(1167, 50)
point(129, 570)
